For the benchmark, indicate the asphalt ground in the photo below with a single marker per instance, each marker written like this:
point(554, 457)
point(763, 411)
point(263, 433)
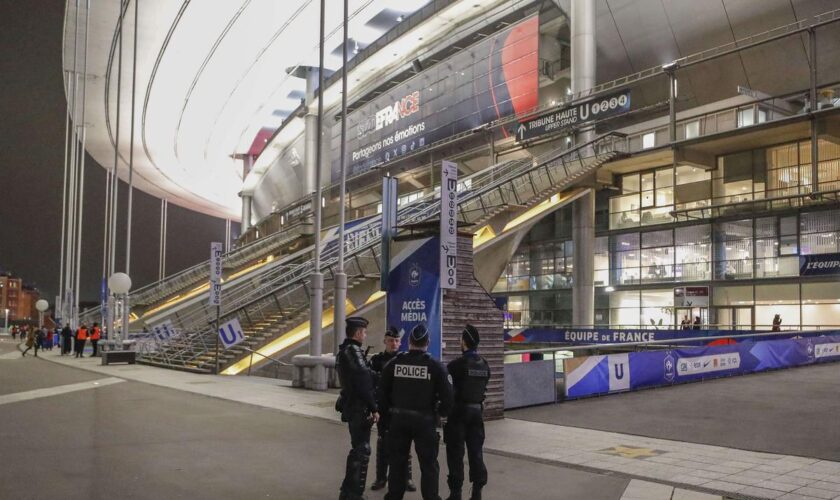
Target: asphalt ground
point(792, 412)
point(133, 440)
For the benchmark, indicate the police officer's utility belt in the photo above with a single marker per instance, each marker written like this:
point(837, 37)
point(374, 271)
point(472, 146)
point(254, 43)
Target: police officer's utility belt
point(411, 413)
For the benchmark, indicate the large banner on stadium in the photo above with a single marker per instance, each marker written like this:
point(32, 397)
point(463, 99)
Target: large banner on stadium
point(593, 375)
point(414, 294)
point(493, 78)
point(586, 336)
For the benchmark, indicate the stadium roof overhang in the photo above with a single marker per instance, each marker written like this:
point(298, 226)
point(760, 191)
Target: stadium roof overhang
point(211, 80)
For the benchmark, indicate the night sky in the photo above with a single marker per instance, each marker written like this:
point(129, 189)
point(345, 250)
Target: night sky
point(32, 128)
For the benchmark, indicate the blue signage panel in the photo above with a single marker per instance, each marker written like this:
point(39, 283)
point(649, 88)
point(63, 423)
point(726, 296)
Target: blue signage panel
point(819, 265)
point(595, 375)
point(414, 294)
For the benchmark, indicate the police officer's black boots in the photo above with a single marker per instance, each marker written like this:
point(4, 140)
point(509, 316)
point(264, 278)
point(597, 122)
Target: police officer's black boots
point(409, 484)
point(454, 493)
point(476, 492)
point(381, 466)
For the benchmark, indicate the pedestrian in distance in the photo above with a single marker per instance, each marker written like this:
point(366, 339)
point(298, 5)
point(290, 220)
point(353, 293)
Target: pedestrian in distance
point(14, 332)
point(81, 338)
point(95, 333)
point(777, 323)
point(31, 341)
point(357, 404)
point(465, 425)
point(415, 389)
point(377, 364)
point(66, 335)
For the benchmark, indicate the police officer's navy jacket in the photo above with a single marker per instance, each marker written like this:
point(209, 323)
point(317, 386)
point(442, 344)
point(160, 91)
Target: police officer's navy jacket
point(470, 374)
point(416, 381)
point(355, 375)
point(378, 362)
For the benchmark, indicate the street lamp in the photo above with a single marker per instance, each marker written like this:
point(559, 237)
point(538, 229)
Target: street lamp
point(120, 284)
point(42, 305)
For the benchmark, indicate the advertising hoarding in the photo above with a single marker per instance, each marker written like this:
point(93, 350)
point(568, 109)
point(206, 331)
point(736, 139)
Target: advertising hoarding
point(496, 77)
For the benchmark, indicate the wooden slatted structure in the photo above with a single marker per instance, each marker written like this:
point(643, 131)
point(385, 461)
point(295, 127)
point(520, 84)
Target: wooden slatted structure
point(470, 303)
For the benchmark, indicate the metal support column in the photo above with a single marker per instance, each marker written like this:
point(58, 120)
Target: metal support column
point(583, 209)
point(127, 305)
point(317, 281)
point(340, 275)
point(815, 179)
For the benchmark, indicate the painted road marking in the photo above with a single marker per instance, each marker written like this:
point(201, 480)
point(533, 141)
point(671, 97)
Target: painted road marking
point(58, 390)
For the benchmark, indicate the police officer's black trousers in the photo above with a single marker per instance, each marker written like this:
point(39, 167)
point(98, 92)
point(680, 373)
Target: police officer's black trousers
point(355, 475)
point(465, 425)
point(407, 426)
point(382, 453)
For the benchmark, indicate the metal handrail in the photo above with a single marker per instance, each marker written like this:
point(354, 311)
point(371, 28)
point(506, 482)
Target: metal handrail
point(480, 183)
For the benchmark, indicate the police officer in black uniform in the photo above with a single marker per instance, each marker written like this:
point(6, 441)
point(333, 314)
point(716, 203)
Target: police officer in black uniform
point(415, 388)
point(470, 374)
point(377, 364)
point(357, 405)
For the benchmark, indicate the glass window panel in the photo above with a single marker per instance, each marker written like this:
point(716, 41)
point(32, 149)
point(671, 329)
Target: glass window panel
point(787, 225)
point(820, 316)
point(766, 247)
point(657, 264)
point(765, 227)
point(624, 203)
point(692, 129)
point(777, 294)
point(664, 196)
point(628, 298)
point(659, 215)
point(657, 238)
point(686, 174)
point(627, 241)
point(647, 181)
point(764, 316)
point(820, 222)
point(788, 245)
point(648, 199)
point(649, 140)
point(664, 178)
point(745, 117)
point(693, 234)
point(732, 295)
point(736, 229)
point(630, 183)
point(822, 293)
point(817, 243)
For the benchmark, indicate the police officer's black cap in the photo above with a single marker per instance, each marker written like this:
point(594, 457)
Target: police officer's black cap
point(392, 332)
point(419, 333)
point(356, 322)
point(470, 336)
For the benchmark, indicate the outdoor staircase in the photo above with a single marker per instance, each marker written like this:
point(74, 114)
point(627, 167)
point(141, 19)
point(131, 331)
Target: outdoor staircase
point(274, 303)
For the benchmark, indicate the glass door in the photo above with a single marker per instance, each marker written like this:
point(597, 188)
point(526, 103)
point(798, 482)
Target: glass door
point(735, 318)
point(686, 317)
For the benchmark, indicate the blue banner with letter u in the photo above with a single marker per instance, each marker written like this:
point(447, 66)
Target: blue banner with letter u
point(414, 294)
point(595, 375)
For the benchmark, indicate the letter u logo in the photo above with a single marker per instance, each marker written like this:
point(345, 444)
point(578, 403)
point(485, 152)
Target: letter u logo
point(228, 338)
point(619, 371)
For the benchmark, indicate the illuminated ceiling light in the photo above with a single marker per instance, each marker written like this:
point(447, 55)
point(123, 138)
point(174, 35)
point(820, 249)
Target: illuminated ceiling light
point(356, 50)
point(609, 289)
point(400, 18)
